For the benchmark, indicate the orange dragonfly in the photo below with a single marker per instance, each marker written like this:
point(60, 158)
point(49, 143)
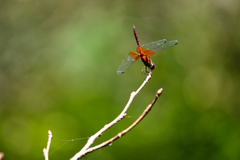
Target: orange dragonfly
point(144, 53)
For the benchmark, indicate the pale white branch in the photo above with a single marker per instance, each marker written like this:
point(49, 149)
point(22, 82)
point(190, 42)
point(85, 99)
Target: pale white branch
point(1, 155)
point(91, 140)
point(122, 133)
point(46, 150)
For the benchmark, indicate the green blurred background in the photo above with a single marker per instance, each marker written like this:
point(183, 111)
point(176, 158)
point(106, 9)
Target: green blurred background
point(58, 63)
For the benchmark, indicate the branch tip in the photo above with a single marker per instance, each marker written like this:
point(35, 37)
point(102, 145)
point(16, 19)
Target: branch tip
point(159, 91)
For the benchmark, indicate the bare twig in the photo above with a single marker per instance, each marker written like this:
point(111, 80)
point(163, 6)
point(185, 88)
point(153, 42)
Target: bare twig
point(46, 150)
point(119, 135)
point(91, 140)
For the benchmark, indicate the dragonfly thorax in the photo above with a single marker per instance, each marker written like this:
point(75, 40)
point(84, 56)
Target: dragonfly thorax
point(147, 62)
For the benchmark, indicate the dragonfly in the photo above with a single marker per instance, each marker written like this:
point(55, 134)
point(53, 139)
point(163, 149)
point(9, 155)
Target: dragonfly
point(144, 52)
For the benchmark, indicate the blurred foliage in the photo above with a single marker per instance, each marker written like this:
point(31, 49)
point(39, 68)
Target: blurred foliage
point(58, 62)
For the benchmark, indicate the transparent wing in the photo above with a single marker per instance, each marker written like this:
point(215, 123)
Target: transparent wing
point(154, 45)
point(126, 63)
point(158, 46)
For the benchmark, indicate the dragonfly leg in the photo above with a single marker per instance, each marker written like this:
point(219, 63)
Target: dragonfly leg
point(145, 71)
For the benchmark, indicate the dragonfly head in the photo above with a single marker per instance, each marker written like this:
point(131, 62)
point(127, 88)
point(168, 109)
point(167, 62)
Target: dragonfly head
point(152, 66)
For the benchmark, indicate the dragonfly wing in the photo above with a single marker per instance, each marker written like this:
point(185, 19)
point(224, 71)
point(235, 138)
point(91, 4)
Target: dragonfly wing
point(166, 45)
point(154, 45)
point(126, 63)
point(159, 46)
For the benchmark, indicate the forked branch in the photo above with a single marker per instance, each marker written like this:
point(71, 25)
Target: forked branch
point(122, 133)
point(85, 150)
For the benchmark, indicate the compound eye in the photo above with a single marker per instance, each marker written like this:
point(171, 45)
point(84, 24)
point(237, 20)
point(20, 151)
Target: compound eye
point(153, 66)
